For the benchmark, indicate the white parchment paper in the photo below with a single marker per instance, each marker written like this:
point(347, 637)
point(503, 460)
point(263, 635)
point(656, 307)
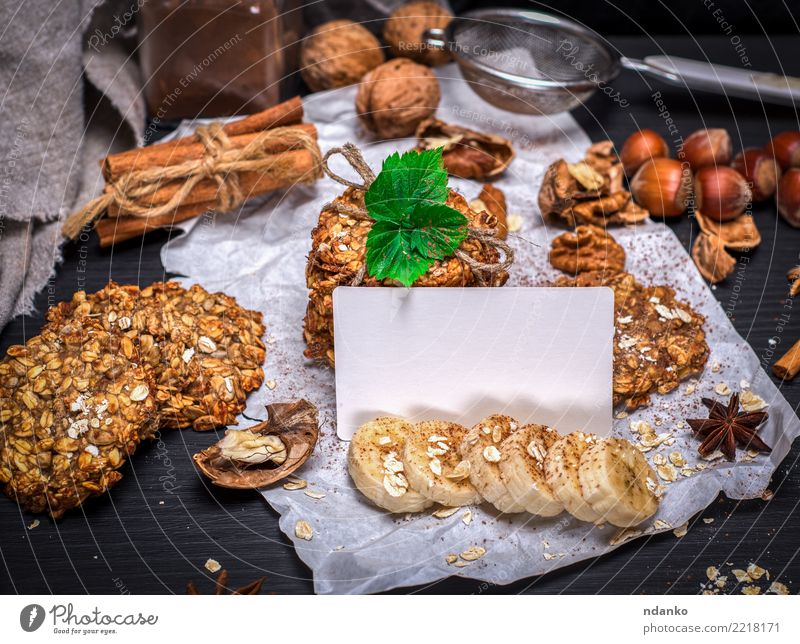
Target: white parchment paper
point(259, 257)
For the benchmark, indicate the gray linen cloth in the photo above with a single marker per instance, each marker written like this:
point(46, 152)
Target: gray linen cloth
point(63, 105)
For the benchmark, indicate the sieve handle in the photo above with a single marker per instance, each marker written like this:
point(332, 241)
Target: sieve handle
point(720, 79)
point(435, 38)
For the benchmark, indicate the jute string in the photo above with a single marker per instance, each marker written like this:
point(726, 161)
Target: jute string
point(220, 162)
point(484, 271)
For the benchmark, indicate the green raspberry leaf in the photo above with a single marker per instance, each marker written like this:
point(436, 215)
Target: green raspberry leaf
point(390, 253)
point(404, 181)
point(437, 230)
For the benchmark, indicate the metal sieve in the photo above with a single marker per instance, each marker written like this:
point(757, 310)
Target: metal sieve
point(536, 63)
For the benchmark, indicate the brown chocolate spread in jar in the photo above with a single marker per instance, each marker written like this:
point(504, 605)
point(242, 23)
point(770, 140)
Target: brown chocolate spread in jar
point(217, 57)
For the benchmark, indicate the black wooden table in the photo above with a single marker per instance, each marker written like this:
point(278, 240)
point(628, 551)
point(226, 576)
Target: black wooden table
point(156, 529)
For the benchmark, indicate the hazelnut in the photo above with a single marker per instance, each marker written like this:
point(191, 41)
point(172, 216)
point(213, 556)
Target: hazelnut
point(721, 192)
point(394, 98)
point(761, 171)
point(404, 29)
point(707, 148)
point(642, 146)
point(338, 53)
point(785, 147)
point(662, 186)
point(789, 197)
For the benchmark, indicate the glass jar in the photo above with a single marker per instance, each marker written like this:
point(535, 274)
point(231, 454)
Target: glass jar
point(217, 57)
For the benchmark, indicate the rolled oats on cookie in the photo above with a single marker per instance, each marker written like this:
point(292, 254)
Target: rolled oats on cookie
point(75, 403)
point(659, 340)
point(205, 350)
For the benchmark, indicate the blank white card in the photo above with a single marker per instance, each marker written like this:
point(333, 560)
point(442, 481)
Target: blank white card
point(540, 355)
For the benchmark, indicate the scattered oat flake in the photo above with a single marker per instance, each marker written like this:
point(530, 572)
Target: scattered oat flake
point(667, 472)
point(712, 573)
point(778, 588)
point(708, 520)
point(752, 402)
point(472, 553)
point(756, 572)
point(677, 459)
point(461, 564)
point(660, 524)
point(271, 384)
point(513, 223)
point(303, 530)
point(443, 513)
point(721, 581)
point(212, 565)
point(722, 389)
point(33, 524)
point(751, 590)
point(549, 556)
point(741, 575)
point(293, 483)
point(621, 414)
point(451, 558)
point(767, 495)
point(681, 531)
point(466, 518)
point(715, 367)
point(314, 495)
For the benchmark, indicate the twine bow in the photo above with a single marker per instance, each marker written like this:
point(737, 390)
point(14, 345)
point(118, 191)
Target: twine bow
point(220, 162)
point(484, 271)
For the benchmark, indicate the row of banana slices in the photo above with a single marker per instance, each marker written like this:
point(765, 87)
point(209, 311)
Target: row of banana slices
point(404, 467)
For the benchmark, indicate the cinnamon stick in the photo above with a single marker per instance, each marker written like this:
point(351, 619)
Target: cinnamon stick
point(118, 229)
point(287, 113)
point(789, 365)
point(186, 149)
point(291, 167)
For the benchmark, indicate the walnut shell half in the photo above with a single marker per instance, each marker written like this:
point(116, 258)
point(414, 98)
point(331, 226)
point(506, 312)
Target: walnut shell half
point(338, 53)
point(296, 424)
point(404, 29)
point(466, 153)
point(394, 98)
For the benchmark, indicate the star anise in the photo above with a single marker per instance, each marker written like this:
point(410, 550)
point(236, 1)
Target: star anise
point(726, 426)
point(253, 588)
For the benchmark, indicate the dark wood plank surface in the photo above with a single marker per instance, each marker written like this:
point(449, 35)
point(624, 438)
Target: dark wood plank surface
point(156, 529)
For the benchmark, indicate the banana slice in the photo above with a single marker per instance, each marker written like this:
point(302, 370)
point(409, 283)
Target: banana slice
point(522, 469)
point(481, 448)
point(375, 465)
point(561, 472)
point(434, 465)
point(618, 482)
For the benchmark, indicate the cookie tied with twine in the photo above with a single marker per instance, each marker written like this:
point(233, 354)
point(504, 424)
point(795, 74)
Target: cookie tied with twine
point(216, 169)
point(485, 272)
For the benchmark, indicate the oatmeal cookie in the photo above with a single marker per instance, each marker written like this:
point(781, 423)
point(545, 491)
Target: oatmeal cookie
point(338, 253)
point(659, 340)
point(588, 248)
point(205, 350)
point(74, 403)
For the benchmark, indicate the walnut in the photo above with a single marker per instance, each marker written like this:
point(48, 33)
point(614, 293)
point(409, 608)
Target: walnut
point(589, 192)
point(711, 258)
point(404, 29)
point(492, 200)
point(466, 153)
point(265, 453)
point(589, 248)
point(338, 53)
point(394, 98)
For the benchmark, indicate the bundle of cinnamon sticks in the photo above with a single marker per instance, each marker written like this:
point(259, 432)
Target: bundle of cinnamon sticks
point(290, 156)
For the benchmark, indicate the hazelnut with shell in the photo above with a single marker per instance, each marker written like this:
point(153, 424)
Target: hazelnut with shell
point(404, 29)
point(338, 53)
point(394, 98)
